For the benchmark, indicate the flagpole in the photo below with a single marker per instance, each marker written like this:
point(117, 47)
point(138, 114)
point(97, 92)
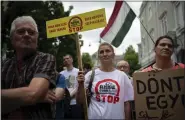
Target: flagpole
point(146, 30)
point(100, 40)
point(97, 52)
point(85, 106)
point(141, 24)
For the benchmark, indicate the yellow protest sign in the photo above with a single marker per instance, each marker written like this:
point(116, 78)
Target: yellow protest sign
point(160, 96)
point(77, 23)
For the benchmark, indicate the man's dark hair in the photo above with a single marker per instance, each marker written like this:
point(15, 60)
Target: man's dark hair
point(68, 55)
point(87, 66)
point(161, 37)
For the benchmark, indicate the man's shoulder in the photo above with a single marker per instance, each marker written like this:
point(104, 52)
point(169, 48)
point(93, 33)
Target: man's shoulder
point(76, 69)
point(7, 61)
point(62, 72)
point(61, 77)
point(44, 56)
point(41, 54)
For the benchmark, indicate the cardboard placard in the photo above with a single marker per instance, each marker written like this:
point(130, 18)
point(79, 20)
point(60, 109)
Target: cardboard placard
point(160, 96)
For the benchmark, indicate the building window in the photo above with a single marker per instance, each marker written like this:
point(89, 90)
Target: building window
point(178, 15)
point(163, 21)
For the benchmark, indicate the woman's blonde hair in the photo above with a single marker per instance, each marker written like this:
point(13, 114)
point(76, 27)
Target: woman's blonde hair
point(105, 43)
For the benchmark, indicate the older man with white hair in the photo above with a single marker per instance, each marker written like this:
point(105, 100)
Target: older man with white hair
point(124, 66)
point(27, 77)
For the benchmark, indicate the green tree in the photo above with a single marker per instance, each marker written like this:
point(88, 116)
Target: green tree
point(86, 60)
point(41, 11)
point(132, 57)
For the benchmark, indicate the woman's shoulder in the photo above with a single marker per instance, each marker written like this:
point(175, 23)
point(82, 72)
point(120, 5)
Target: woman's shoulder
point(92, 71)
point(178, 65)
point(118, 72)
point(146, 69)
point(181, 65)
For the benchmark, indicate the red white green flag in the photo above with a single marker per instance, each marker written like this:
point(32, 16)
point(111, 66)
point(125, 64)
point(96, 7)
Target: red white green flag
point(119, 24)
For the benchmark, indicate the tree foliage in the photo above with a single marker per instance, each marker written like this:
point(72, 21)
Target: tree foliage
point(132, 58)
point(41, 11)
point(86, 60)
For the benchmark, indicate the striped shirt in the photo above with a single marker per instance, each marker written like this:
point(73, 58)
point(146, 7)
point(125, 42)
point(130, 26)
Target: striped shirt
point(19, 74)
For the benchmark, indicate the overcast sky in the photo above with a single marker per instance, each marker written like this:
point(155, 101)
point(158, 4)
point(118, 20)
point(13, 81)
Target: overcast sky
point(91, 38)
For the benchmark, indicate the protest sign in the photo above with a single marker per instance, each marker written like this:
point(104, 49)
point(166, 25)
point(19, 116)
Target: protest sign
point(74, 24)
point(160, 96)
point(77, 23)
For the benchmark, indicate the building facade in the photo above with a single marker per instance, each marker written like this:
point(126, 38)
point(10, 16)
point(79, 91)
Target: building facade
point(161, 18)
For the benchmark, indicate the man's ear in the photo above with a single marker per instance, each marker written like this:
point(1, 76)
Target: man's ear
point(72, 59)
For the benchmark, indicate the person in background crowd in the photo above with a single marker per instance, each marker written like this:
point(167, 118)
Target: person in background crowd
point(59, 93)
point(87, 67)
point(27, 77)
point(70, 74)
point(125, 67)
point(164, 48)
point(111, 89)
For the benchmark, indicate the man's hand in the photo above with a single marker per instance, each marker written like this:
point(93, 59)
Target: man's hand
point(59, 93)
point(50, 97)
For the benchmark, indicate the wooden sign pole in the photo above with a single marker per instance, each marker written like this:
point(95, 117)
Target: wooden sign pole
point(81, 69)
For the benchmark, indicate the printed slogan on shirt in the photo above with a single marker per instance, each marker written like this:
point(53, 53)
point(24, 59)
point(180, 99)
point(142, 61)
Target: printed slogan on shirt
point(160, 96)
point(77, 23)
point(107, 90)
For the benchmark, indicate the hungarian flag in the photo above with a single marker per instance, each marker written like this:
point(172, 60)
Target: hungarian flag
point(119, 24)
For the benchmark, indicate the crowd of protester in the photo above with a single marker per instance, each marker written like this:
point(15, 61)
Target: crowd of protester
point(31, 88)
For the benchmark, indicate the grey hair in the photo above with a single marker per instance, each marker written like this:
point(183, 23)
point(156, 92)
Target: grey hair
point(22, 19)
point(122, 61)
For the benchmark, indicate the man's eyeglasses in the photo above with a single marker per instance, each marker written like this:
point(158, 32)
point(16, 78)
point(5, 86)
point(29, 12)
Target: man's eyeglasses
point(124, 67)
point(29, 31)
